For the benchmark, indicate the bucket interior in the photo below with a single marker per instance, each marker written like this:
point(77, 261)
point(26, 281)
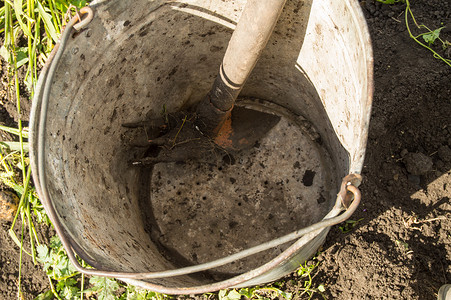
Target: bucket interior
point(139, 58)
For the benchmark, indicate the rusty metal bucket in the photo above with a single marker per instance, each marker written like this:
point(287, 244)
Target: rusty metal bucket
point(195, 228)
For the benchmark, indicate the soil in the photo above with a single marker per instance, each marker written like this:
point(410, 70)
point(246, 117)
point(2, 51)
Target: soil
point(401, 246)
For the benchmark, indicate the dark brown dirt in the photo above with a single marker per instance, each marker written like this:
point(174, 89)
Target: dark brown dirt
point(401, 249)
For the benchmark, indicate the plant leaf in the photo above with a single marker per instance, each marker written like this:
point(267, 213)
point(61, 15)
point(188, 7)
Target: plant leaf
point(5, 53)
point(134, 293)
point(45, 296)
point(18, 4)
point(432, 36)
point(285, 295)
point(39, 210)
point(229, 295)
point(44, 256)
point(61, 267)
point(47, 18)
point(16, 240)
point(15, 146)
point(21, 56)
point(55, 242)
point(246, 292)
point(14, 130)
point(60, 285)
point(70, 292)
point(104, 287)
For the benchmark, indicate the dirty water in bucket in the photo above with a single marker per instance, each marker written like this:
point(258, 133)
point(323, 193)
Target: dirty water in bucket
point(197, 212)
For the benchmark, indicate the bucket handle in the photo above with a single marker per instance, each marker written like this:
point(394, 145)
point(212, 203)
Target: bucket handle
point(348, 198)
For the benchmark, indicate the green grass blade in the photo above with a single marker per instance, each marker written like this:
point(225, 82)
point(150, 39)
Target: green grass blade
point(82, 286)
point(8, 27)
point(15, 131)
point(15, 146)
point(22, 191)
point(19, 286)
point(32, 66)
point(19, 111)
point(3, 163)
point(49, 27)
point(55, 19)
point(16, 240)
point(52, 288)
point(30, 231)
point(18, 4)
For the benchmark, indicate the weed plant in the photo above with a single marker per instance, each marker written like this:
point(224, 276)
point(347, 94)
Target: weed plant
point(349, 225)
point(306, 273)
point(428, 37)
point(261, 293)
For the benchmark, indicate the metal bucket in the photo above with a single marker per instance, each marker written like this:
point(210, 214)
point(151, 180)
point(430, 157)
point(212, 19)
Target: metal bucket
point(137, 58)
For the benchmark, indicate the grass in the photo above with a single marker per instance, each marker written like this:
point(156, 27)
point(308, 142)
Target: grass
point(305, 272)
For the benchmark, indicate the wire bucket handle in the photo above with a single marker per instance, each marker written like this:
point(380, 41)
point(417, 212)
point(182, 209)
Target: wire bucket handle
point(347, 199)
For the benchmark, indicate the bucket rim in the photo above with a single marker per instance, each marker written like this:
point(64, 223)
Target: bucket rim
point(349, 184)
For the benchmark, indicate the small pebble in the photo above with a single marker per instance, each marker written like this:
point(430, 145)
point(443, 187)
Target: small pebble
point(370, 7)
point(404, 152)
point(414, 179)
point(439, 164)
point(444, 152)
point(9, 203)
point(418, 163)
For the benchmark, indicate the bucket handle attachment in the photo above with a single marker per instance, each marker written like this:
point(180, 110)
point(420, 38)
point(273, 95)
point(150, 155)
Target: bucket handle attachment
point(82, 22)
point(348, 198)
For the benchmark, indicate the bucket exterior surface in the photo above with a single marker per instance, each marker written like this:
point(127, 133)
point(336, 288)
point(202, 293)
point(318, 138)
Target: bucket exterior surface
point(136, 57)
